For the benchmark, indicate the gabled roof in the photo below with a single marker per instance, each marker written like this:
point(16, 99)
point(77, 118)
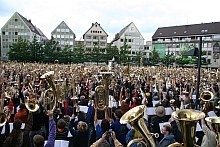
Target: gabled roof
point(118, 35)
point(29, 24)
point(41, 33)
point(188, 30)
point(96, 23)
point(66, 26)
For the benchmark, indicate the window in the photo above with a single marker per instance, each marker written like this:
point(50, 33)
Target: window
point(58, 36)
point(16, 19)
point(16, 33)
point(209, 44)
point(62, 42)
point(121, 40)
point(95, 25)
point(205, 44)
point(102, 37)
point(3, 33)
point(100, 31)
point(66, 36)
point(71, 36)
point(102, 43)
point(58, 30)
point(88, 37)
point(209, 52)
point(62, 36)
point(88, 43)
point(147, 47)
point(133, 53)
point(71, 42)
point(67, 30)
point(94, 37)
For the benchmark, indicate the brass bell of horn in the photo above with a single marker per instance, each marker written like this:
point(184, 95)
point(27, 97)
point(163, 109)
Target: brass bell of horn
point(135, 118)
point(215, 121)
point(188, 119)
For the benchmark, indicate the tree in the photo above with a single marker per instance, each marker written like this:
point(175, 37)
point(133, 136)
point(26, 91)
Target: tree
point(154, 57)
point(35, 50)
point(49, 50)
point(19, 50)
point(123, 53)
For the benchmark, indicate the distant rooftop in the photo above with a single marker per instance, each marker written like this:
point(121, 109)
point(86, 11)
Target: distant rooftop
point(188, 30)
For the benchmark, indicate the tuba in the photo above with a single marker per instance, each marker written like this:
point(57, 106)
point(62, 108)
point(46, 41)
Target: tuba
point(49, 95)
point(135, 118)
point(102, 92)
point(188, 119)
point(215, 121)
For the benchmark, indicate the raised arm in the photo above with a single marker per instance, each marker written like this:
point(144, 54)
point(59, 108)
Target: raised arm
point(52, 130)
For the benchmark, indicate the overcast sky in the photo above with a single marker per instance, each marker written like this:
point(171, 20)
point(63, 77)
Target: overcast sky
point(113, 15)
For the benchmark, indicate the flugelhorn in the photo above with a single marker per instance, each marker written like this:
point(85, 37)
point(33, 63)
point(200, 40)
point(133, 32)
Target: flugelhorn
point(50, 94)
point(135, 118)
point(188, 119)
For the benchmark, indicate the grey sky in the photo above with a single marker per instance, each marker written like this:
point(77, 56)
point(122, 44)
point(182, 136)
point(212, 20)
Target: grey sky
point(113, 15)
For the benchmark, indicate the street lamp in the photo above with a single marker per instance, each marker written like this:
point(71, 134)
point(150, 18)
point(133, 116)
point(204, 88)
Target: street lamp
point(199, 70)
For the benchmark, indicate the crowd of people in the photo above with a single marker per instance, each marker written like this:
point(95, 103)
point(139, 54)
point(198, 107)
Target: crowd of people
point(159, 88)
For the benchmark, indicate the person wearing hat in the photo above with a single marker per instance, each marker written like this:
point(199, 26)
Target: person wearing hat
point(156, 120)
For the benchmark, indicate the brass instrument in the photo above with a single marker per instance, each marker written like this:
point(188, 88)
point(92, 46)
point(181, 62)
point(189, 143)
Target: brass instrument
point(31, 101)
point(206, 96)
point(215, 121)
point(101, 92)
point(50, 94)
point(135, 118)
point(188, 119)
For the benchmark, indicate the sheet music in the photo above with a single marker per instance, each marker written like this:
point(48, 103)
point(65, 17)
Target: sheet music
point(60, 143)
point(83, 109)
point(198, 127)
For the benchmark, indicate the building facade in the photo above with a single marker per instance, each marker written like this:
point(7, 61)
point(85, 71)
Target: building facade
point(95, 37)
point(18, 26)
point(147, 49)
point(132, 37)
point(64, 35)
point(178, 39)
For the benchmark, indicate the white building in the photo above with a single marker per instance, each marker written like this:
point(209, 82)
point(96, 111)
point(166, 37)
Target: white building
point(64, 35)
point(18, 26)
point(147, 49)
point(133, 38)
point(95, 37)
